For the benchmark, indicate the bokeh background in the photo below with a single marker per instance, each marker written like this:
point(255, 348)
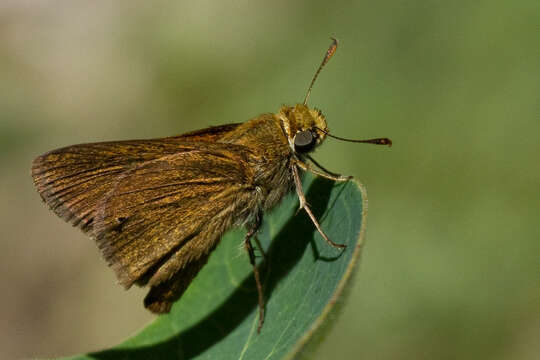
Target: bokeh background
point(451, 268)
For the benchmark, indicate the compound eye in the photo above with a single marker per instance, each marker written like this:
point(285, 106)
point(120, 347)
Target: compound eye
point(304, 141)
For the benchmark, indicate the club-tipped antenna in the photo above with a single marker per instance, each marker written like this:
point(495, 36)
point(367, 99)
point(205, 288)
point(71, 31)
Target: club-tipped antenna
point(376, 141)
point(329, 53)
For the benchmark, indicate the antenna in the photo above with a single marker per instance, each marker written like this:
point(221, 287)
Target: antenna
point(329, 53)
point(377, 141)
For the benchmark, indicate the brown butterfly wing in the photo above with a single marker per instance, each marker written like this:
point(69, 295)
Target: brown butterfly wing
point(160, 221)
point(72, 180)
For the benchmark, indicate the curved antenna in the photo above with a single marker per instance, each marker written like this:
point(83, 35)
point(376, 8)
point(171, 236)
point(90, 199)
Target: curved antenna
point(331, 50)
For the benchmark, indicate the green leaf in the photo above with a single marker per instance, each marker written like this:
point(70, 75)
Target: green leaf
point(303, 278)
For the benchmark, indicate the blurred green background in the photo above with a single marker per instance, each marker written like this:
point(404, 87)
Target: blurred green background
point(451, 267)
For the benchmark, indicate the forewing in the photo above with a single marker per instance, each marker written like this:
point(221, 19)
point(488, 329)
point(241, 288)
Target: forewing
point(72, 180)
point(170, 212)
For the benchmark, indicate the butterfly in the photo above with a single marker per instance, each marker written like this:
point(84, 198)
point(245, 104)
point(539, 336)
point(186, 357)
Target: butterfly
point(157, 208)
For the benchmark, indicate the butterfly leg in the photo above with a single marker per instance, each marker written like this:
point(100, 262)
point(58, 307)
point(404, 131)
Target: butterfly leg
point(258, 243)
point(304, 205)
point(322, 172)
point(251, 252)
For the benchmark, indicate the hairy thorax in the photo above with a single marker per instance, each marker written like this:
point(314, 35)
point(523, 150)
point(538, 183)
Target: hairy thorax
point(269, 155)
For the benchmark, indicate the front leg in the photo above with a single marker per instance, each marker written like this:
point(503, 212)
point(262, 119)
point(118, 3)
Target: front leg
point(324, 173)
point(304, 205)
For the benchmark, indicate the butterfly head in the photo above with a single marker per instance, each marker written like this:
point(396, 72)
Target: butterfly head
point(306, 128)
